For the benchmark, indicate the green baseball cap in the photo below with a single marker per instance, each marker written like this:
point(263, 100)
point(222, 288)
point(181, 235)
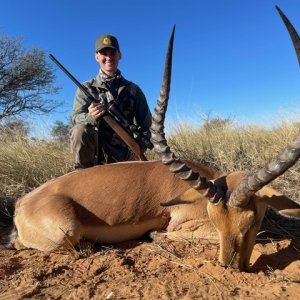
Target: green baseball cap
point(105, 41)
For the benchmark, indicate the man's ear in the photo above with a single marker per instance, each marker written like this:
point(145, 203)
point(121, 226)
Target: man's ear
point(96, 56)
point(120, 55)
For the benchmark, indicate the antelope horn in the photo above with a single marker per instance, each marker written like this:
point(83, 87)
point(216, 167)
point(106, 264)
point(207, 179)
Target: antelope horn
point(176, 166)
point(293, 33)
point(286, 159)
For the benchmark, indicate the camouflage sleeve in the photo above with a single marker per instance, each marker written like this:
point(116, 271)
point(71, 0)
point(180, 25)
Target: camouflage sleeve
point(143, 115)
point(80, 110)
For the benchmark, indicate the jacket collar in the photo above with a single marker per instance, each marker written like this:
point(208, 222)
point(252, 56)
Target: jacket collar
point(98, 82)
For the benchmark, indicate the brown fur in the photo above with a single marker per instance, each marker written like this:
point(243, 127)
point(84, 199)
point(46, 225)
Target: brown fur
point(119, 202)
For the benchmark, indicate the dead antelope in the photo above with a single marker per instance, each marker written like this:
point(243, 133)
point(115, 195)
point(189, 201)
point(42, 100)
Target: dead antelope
point(123, 201)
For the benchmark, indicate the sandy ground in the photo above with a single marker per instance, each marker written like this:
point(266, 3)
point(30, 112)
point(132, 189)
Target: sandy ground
point(162, 269)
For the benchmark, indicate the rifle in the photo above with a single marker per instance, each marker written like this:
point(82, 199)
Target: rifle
point(110, 117)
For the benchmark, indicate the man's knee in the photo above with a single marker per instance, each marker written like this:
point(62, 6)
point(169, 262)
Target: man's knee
point(83, 133)
point(78, 132)
point(83, 145)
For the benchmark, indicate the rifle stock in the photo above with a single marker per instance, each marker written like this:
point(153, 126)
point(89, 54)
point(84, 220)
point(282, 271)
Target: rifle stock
point(128, 139)
point(110, 120)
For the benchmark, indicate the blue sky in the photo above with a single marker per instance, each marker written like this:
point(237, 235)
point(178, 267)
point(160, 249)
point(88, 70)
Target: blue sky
point(232, 58)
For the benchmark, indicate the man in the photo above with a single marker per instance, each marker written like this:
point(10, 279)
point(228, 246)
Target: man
point(110, 90)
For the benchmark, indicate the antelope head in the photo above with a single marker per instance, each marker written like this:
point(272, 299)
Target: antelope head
point(236, 203)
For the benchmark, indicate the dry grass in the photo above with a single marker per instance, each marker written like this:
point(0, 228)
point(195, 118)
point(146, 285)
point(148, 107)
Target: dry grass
point(233, 147)
point(25, 163)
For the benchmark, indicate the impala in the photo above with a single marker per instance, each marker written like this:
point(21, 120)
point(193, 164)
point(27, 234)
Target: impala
point(123, 201)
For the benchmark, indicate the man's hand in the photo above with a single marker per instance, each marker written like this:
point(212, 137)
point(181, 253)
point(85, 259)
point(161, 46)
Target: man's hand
point(97, 110)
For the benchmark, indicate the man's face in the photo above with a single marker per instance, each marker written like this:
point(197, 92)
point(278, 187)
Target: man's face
point(108, 58)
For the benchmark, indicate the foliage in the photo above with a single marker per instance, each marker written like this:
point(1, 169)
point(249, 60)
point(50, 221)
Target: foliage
point(60, 131)
point(14, 127)
point(216, 123)
point(25, 79)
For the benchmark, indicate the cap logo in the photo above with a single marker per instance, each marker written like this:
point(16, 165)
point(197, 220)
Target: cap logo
point(106, 41)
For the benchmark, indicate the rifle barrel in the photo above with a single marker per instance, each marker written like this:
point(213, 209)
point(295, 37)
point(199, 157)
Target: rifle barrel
point(70, 76)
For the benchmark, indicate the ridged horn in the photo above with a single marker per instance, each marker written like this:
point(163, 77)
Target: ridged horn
point(286, 159)
point(176, 166)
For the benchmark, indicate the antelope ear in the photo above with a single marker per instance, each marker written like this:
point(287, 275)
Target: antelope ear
point(190, 196)
point(282, 204)
point(286, 207)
